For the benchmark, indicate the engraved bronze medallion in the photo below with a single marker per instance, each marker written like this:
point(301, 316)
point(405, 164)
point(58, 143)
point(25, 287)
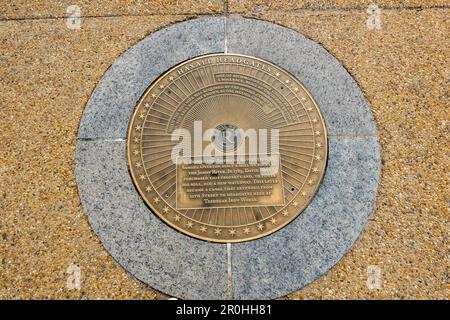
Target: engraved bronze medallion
point(222, 104)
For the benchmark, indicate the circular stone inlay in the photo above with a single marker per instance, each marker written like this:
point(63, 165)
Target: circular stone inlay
point(266, 268)
point(258, 169)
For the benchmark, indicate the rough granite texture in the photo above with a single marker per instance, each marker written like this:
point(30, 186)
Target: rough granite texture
point(48, 73)
point(334, 218)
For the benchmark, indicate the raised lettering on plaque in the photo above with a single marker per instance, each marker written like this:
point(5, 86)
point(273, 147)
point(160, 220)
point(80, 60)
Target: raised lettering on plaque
point(227, 148)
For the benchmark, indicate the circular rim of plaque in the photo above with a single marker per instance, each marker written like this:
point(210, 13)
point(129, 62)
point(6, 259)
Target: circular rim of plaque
point(219, 89)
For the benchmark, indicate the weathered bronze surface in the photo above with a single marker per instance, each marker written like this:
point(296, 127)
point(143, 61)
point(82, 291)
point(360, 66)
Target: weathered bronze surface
point(229, 202)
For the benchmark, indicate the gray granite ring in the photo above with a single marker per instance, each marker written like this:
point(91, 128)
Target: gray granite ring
point(269, 267)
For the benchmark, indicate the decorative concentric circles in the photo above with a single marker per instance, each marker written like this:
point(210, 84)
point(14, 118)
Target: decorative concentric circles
point(226, 90)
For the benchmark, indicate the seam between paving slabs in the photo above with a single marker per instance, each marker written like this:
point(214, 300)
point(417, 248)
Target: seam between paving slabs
point(230, 293)
point(219, 14)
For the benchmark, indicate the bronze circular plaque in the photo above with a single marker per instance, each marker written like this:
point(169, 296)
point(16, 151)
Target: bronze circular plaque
point(227, 148)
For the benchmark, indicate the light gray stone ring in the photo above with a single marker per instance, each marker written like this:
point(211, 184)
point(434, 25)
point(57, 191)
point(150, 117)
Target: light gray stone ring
point(269, 267)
